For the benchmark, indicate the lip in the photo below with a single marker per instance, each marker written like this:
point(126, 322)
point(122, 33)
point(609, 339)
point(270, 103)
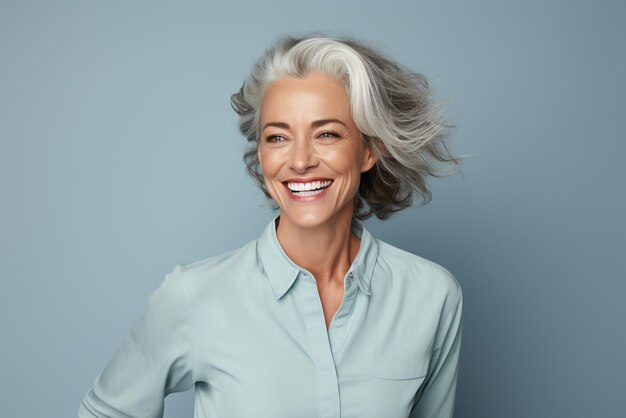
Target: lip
point(305, 180)
point(307, 198)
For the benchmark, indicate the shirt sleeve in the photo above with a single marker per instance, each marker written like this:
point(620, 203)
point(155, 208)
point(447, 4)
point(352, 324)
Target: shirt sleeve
point(153, 361)
point(435, 399)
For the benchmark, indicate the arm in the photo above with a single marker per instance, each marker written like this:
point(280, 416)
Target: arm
point(435, 399)
point(153, 361)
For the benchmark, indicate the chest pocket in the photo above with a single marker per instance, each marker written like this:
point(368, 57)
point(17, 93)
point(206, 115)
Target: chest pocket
point(399, 368)
point(395, 378)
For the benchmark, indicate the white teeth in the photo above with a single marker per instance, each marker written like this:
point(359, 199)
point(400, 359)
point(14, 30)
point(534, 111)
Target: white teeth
point(300, 187)
point(309, 192)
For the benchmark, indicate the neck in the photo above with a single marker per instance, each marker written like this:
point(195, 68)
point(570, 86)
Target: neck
point(326, 250)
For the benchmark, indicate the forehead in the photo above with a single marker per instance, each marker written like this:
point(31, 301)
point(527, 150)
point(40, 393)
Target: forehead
point(314, 92)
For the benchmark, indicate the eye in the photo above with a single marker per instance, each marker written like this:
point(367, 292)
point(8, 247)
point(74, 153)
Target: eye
point(274, 138)
point(329, 135)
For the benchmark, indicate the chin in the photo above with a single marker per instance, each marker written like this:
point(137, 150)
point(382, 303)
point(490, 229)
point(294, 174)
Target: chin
point(305, 219)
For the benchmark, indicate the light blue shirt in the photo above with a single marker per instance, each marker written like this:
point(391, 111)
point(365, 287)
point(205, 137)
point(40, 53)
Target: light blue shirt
point(246, 330)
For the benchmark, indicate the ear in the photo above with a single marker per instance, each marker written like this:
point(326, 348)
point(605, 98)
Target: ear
point(369, 158)
point(258, 151)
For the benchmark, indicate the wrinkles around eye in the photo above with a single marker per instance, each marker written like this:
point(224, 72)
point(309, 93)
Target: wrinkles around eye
point(323, 135)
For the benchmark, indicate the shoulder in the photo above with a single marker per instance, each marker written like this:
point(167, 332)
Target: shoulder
point(418, 275)
point(213, 274)
point(222, 261)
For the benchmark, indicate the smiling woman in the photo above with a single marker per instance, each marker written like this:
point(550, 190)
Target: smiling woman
point(316, 317)
point(308, 132)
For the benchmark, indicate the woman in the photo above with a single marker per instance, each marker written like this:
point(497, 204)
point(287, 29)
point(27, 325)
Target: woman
point(315, 318)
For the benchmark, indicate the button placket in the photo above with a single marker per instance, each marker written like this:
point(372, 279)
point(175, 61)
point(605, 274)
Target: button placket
point(338, 329)
point(320, 346)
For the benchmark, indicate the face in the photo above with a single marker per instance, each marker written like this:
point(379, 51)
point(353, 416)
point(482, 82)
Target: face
point(310, 150)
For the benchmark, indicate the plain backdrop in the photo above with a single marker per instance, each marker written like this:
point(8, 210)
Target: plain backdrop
point(120, 157)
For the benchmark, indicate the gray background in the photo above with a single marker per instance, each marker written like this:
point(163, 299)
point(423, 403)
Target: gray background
point(120, 157)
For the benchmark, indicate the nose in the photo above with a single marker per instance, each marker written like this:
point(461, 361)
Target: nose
point(302, 155)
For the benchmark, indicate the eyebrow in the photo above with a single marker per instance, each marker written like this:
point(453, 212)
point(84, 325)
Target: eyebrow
point(314, 124)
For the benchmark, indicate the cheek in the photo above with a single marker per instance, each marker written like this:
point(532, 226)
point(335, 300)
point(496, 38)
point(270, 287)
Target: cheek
point(349, 172)
point(342, 160)
point(265, 161)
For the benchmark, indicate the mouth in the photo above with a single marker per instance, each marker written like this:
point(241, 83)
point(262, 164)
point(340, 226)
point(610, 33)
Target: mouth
point(310, 189)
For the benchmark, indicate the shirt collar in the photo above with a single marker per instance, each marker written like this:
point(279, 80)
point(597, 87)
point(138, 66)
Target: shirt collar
point(281, 271)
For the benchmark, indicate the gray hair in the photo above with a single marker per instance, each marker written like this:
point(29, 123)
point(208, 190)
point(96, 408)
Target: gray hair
point(390, 105)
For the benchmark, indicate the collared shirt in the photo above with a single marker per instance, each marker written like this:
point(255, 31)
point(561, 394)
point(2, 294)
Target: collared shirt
point(246, 329)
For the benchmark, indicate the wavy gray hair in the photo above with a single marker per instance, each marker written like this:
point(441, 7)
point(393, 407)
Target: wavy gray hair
point(390, 105)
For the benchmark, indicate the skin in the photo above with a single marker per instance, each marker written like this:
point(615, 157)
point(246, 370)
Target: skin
point(315, 235)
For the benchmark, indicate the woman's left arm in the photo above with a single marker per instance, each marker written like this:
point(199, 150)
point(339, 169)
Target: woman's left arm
point(435, 399)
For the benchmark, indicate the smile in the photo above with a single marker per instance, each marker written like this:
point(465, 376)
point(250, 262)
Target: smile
point(306, 192)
